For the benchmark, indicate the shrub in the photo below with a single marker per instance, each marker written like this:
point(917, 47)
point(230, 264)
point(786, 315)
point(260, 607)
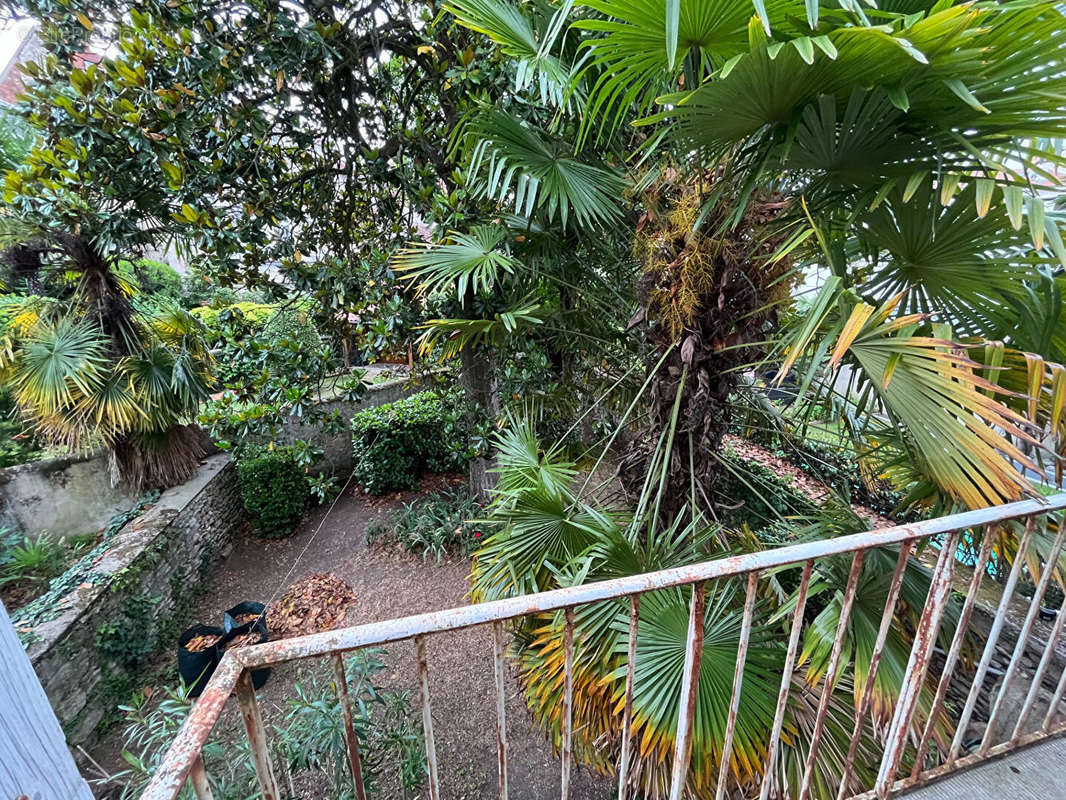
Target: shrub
point(752, 495)
point(274, 489)
point(442, 523)
point(17, 445)
point(393, 444)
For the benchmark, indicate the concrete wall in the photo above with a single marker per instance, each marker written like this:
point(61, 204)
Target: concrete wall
point(65, 496)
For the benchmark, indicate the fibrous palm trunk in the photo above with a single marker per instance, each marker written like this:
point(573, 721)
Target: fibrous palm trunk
point(708, 299)
point(478, 378)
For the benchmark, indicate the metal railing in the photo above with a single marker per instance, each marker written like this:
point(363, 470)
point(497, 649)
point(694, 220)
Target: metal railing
point(182, 761)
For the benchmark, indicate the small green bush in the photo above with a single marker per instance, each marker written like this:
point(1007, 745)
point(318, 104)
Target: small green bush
point(442, 523)
point(393, 444)
point(274, 489)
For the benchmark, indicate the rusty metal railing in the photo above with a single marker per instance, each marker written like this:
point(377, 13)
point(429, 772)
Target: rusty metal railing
point(182, 761)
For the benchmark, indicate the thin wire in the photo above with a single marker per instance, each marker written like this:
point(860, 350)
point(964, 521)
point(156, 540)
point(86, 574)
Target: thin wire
point(340, 494)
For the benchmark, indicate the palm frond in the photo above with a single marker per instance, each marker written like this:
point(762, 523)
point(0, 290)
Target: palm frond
point(452, 335)
point(473, 261)
point(58, 365)
point(517, 165)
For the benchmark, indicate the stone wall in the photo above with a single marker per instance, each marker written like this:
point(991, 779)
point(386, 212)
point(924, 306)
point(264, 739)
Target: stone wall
point(337, 447)
point(89, 656)
point(64, 496)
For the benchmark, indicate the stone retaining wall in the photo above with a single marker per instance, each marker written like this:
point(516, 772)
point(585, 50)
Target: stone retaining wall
point(337, 447)
point(88, 658)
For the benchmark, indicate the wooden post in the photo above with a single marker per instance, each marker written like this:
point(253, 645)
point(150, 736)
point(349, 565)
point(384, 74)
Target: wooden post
point(34, 760)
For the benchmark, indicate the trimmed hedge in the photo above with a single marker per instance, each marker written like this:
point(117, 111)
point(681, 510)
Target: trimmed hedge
point(274, 489)
point(393, 444)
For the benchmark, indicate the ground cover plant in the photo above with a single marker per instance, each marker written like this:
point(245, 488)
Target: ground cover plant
point(438, 525)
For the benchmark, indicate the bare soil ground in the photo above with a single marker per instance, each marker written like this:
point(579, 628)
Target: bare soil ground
point(390, 583)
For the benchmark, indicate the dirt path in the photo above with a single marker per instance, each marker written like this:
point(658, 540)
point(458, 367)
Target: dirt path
point(389, 584)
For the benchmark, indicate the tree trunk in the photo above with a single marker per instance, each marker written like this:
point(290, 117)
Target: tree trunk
point(708, 299)
point(478, 378)
point(33, 750)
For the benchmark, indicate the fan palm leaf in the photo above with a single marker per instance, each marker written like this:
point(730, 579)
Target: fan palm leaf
point(58, 365)
point(517, 165)
point(473, 261)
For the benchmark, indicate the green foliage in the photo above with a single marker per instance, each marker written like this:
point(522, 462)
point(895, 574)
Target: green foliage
point(752, 495)
point(390, 740)
point(17, 443)
point(30, 560)
point(16, 139)
point(255, 341)
point(311, 737)
point(49, 604)
point(129, 637)
point(393, 444)
point(435, 526)
point(274, 490)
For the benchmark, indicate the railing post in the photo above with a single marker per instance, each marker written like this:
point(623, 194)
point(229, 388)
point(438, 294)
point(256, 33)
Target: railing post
point(568, 702)
point(832, 669)
point(500, 672)
point(953, 654)
point(738, 685)
point(340, 679)
point(786, 679)
point(918, 664)
point(993, 638)
point(627, 714)
point(690, 687)
point(198, 778)
point(427, 718)
point(253, 723)
point(875, 663)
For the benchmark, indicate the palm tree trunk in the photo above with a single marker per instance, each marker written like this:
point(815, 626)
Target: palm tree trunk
point(478, 378)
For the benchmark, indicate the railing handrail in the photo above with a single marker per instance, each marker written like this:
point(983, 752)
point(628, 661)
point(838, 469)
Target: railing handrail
point(384, 632)
point(185, 749)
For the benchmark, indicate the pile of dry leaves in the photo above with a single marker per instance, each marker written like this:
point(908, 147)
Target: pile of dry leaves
point(317, 603)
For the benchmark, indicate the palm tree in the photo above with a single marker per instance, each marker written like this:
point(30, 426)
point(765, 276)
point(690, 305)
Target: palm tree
point(94, 369)
point(900, 149)
point(549, 538)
